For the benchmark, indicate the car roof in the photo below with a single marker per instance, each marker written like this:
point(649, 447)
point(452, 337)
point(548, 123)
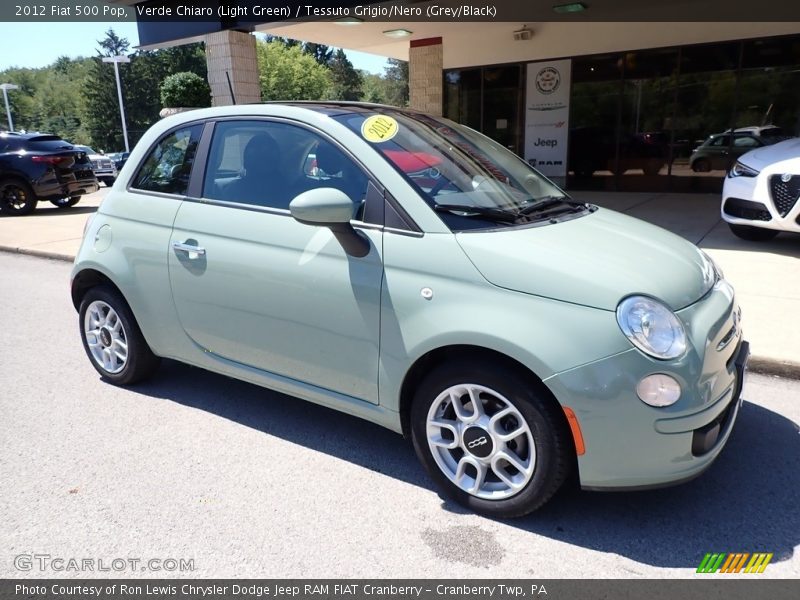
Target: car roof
point(330, 108)
point(27, 136)
point(338, 107)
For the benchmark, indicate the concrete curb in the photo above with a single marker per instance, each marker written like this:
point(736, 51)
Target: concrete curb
point(38, 253)
point(762, 365)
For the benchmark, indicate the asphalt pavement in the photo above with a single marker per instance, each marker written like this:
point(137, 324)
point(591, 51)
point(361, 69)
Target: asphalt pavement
point(244, 482)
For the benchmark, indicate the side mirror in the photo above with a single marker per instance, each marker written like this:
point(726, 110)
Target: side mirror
point(322, 206)
point(331, 208)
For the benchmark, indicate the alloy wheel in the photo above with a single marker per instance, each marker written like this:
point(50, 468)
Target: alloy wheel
point(106, 337)
point(481, 441)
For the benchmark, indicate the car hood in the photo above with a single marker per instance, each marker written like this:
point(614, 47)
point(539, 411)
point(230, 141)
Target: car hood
point(767, 155)
point(594, 260)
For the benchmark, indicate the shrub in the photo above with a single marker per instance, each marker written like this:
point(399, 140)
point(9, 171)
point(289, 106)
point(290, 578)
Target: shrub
point(185, 89)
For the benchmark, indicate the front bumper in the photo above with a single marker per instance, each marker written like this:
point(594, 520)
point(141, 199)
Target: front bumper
point(630, 445)
point(749, 201)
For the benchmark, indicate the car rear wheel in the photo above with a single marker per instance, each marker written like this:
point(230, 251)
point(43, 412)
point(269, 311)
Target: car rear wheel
point(112, 338)
point(701, 165)
point(16, 197)
point(752, 234)
point(490, 438)
point(66, 202)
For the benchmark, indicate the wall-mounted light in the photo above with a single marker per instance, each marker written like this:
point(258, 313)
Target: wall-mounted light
point(397, 33)
point(572, 7)
point(523, 34)
point(348, 21)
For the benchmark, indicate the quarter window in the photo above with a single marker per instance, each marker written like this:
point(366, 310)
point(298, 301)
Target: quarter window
point(169, 165)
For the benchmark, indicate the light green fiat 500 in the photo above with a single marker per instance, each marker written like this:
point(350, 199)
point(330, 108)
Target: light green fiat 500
point(410, 271)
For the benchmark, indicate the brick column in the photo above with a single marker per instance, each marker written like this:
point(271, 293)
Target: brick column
point(425, 65)
point(233, 52)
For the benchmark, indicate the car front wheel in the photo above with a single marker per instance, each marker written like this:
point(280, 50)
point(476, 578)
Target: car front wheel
point(491, 438)
point(112, 339)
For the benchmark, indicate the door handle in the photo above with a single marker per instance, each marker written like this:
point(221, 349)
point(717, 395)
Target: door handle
point(193, 251)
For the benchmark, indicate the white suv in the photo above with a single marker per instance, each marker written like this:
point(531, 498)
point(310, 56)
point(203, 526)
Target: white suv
point(761, 192)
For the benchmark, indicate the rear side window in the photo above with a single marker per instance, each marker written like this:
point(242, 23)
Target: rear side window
point(47, 143)
point(169, 165)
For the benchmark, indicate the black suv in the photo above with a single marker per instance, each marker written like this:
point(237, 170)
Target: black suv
point(37, 166)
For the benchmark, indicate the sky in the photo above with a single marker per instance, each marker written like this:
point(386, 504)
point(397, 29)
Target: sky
point(39, 44)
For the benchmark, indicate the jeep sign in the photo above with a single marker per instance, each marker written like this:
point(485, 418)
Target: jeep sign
point(547, 117)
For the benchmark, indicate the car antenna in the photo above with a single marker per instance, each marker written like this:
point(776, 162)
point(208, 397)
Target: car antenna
point(230, 87)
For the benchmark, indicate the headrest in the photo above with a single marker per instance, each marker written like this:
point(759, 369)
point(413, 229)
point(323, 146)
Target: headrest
point(261, 153)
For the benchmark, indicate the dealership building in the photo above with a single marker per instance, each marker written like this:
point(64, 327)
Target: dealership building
point(604, 94)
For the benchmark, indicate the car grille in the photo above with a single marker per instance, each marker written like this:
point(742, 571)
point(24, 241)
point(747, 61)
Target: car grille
point(784, 193)
point(746, 209)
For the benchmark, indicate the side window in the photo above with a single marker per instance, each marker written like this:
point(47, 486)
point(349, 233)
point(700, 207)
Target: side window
point(745, 141)
point(266, 163)
point(169, 165)
point(721, 142)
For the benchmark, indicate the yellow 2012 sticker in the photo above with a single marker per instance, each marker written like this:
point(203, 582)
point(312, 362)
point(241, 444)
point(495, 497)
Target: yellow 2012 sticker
point(379, 128)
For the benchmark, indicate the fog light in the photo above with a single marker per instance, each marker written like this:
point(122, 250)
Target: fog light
point(658, 390)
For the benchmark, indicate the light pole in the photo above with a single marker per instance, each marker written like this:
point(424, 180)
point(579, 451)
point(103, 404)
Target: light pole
point(5, 87)
point(116, 60)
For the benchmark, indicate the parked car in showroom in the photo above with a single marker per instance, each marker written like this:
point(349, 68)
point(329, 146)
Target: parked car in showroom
point(38, 166)
point(761, 192)
point(104, 168)
point(596, 149)
point(721, 149)
point(408, 270)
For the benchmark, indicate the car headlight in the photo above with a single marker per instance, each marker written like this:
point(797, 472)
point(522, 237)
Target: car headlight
point(740, 169)
point(651, 327)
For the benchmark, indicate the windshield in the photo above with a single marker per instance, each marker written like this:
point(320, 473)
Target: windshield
point(470, 180)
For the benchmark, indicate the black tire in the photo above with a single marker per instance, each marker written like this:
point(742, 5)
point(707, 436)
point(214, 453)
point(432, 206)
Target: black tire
point(66, 202)
point(141, 363)
point(555, 453)
point(753, 234)
point(16, 197)
point(701, 165)
point(652, 167)
point(109, 181)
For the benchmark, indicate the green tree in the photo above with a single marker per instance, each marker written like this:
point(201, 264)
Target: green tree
point(286, 73)
point(374, 88)
point(346, 82)
point(321, 53)
point(185, 89)
point(396, 76)
point(102, 107)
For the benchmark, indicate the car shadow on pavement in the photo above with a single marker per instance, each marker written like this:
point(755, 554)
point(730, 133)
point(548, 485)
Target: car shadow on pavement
point(51, 211)
point(748, 501)
point(786, 244)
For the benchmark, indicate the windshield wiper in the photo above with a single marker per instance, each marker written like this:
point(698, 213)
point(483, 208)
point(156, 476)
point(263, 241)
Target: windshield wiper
point(484, 211)
point(546, 202)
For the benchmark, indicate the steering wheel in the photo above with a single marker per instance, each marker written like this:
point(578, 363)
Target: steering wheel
point(440, 185)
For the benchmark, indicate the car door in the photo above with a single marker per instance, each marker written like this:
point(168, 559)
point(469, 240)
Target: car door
point(718, 153)
point(254, 286)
